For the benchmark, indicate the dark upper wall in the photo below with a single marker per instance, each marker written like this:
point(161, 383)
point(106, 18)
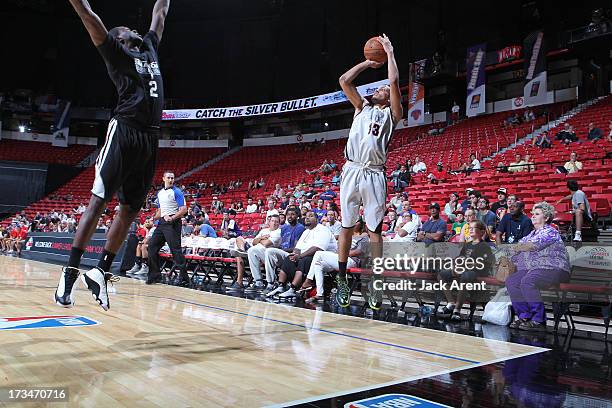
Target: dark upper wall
point(235, 52)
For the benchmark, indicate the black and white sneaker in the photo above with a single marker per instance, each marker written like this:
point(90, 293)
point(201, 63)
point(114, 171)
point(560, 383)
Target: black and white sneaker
point(64, 294)
point(96, 280)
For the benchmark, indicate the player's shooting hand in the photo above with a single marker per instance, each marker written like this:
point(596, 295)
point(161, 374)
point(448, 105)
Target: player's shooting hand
point(386, 43)
point(373, 64)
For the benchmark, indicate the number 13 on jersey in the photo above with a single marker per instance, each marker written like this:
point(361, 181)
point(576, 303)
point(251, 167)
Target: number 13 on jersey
point(374, 129)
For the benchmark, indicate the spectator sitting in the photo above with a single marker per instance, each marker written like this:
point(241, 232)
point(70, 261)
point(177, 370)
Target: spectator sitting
point(186, 228)
point(327, 261)
point(517, 166)
point(465, 204)
point(336, 179)
point(470, 216)
point(261, 183)
point(216, 204)
point(207, 231)
point(271, 210)
point(333, 165)
point(487, 217)
point(282, 218)
point(291, 232)
point(567, 135)
point(452, 206)
point(329, 194)
point(474, 197)
point(610, 133)
point(474, 163)
point(542, 141)
point(502, 201)
point(434, 229)
point(572, 166)
point(580, 207)
point(320, 211)
point(402, 180)
point(333, 224)
point(477, 250)
point(512, 120)
point(315, 238)
point(515, 225)
point(438, 175)
point(458, 224)
point(288, 202)
point(277, 191)
point(541, 261)
point(396, 201)
point(528, 116)
point(528, 164)
point(594, 133)
point(406, 212)
point(391, 223)
point(229, 227)
point(395, 173)
point(318, 182)
point(322, 168)
point(239, 207)
point(406, 229)
point(256, 253)
point(419, 166)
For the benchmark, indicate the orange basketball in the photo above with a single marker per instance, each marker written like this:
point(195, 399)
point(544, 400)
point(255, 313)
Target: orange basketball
point(374, 51)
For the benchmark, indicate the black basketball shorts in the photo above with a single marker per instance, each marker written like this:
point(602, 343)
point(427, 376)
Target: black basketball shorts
point(126, 164)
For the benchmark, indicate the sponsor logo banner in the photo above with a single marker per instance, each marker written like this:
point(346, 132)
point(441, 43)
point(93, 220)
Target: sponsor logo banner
point(534, 91)
point(269, 108)
point(416, 94)
point(475, 62)
point(394, 401)
point(44, 322)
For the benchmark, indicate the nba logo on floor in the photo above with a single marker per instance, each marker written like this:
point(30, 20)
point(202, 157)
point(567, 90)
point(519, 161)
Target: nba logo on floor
point(44, 322)
point(394, 401)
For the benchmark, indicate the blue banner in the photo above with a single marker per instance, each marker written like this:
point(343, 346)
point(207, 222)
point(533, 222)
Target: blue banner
point(475, 102)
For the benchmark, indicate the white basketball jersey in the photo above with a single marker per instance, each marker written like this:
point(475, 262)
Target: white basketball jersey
point(370, 136)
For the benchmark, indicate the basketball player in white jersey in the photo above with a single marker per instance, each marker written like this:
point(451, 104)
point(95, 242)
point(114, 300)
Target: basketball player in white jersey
point(363, 175)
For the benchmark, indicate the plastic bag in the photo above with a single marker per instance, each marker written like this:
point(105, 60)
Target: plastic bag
point(497, 310)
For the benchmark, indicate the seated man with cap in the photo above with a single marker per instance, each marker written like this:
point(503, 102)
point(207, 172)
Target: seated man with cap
point(434, 229)
point(501, 203)
point(438, 175)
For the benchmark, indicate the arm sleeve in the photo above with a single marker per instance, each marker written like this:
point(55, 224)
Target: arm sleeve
point(179, 197)
point(441, 228)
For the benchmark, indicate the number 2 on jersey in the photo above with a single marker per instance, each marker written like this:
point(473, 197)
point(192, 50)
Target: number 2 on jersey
point(153, 90)
point(374, 129)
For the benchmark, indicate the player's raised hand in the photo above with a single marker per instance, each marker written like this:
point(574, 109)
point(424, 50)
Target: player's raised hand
point(373, 64)
point(386, 43)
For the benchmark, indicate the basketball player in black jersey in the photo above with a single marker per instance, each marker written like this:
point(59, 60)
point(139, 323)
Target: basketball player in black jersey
point(126, 162)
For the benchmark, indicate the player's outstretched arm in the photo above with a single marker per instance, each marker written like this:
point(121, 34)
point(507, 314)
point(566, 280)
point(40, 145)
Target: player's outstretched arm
point(95, 27)
point(346, 82)
point(160, 11)
point(396, 95)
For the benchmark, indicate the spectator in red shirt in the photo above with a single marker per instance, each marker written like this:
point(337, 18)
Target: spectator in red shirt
point(438, 175)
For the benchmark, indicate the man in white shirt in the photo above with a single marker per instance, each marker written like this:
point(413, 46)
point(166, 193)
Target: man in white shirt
point(251, 207)
point(419, 166)
point(474, 163)
point(315, 238)
point(332, 223)
point(271, 210)
point(266, 238)
point(406, 229)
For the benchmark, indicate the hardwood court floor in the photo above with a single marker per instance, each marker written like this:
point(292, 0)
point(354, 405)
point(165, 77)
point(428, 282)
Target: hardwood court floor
point(167, 346)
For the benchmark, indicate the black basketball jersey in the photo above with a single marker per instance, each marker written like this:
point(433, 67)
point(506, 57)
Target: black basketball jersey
point(138, 80)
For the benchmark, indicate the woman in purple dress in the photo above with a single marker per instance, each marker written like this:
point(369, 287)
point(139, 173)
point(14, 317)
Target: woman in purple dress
point(541, 262)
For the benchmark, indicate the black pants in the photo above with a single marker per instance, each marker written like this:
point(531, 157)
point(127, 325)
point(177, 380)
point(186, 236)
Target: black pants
point(169, 232)
point(290, 267)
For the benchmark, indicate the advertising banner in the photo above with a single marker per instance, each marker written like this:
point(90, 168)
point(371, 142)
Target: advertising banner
point(273, 108)
point(534, 92)
point(416, 94)
point(475, 62)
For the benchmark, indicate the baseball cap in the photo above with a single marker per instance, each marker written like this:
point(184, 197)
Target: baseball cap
point(439, 164)
point(502, 190)
point(469, 190)
point(434, 205)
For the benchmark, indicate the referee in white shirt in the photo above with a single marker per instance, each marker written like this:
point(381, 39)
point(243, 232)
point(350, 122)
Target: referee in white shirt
point(171, 208)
